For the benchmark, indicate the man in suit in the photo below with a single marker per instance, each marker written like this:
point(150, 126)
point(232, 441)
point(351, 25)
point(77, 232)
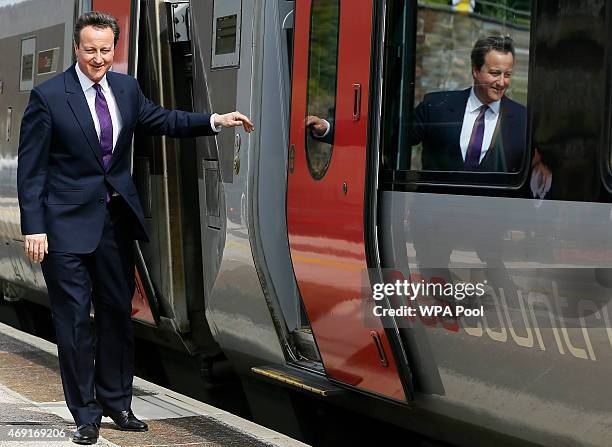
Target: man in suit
point(80, 214)
point(479, 129)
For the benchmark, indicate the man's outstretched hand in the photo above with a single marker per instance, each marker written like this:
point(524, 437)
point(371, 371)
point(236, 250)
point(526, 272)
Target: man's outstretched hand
point(36, 246)
point(234, 119)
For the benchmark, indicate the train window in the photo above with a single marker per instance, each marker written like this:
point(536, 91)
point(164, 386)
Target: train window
point(226, 34)
point(86, 6)
point(455, 91)
point(48, 61)
point(227, 27)
point(321, 90)
point(28, 49)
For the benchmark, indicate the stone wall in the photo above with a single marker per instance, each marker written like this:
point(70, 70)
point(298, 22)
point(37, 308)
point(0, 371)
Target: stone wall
point(444, 41)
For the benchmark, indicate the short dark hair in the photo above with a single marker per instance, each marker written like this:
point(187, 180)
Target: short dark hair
point(503, 44)
point(96, 19)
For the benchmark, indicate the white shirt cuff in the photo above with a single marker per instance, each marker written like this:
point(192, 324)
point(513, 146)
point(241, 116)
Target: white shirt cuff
point(324, 134)
point(212, 123)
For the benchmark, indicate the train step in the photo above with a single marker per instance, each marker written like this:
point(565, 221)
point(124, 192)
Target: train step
point(299, 379)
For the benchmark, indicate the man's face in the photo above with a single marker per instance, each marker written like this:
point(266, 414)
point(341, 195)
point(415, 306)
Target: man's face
point(493, 78)
point(95, 52)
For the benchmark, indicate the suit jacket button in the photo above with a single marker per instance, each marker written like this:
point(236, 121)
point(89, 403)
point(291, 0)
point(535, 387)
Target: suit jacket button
point(101, 201)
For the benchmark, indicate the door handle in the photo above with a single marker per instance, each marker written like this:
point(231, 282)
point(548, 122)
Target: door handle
point(356, 102)
point(291, 159)
point(9, 123)
point(237, 144)
point(380, 349)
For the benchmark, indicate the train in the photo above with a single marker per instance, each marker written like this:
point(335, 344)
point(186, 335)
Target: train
point(265, 247)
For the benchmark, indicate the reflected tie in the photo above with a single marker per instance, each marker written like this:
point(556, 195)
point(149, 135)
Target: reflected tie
point(474, 149)
point(106, 126)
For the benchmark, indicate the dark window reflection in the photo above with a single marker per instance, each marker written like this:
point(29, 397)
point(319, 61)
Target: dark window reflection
point(446, 109)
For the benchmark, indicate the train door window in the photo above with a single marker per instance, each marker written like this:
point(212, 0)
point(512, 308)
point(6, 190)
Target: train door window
point(321, 90)
point(86, 6)
point(28, 49)
point(455, 81)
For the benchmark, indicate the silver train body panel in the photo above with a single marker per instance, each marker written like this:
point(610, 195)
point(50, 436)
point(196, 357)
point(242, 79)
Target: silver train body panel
point(253, 191)
point(28, 29)
point(533, 366)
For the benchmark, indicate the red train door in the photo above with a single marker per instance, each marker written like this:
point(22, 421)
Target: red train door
point(326, 187)
point(123, 11)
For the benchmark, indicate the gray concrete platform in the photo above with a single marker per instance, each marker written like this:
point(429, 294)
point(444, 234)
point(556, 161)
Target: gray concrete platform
point(33, 411)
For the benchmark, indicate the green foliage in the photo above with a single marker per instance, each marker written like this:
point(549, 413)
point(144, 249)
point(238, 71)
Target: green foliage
point(323, 57)
point(506, 11)
point(435, 2)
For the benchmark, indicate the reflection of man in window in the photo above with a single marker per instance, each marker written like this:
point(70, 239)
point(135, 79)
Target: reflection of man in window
point(478, 129)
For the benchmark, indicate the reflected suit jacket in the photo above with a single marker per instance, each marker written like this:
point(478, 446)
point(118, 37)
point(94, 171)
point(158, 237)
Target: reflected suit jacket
point(61, 180)
point(437, 125)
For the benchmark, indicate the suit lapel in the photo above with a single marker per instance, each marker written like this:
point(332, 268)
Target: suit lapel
point(506, 116)
point(494, 159)
point(456, 111)
point(124, 107)
point(78, 105)
point(507, 124)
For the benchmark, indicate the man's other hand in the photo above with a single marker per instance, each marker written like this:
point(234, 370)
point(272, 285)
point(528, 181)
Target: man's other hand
point(234, 119)
point(317, 125)
point(36, 246)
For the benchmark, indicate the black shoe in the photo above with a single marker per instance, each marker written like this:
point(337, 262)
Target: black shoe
point(126, 420)
point(86, 434)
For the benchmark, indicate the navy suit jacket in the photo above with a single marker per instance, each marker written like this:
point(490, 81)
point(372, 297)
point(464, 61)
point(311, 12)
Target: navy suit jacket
point(61, 181)
point(437, 125)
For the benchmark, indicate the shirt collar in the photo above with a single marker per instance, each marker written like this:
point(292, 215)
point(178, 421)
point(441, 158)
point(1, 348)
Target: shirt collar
point(87, 83)
point(474, 103)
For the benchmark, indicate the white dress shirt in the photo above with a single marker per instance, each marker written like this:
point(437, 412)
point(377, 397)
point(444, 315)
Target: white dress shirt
point(469, 118)
point(90, 95)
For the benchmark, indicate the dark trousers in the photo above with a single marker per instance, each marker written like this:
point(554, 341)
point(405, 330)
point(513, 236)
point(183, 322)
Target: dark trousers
point(97, 366)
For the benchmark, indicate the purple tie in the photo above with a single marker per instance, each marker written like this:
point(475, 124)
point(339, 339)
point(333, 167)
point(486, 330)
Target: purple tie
point(472, 156)
point(106, 126)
